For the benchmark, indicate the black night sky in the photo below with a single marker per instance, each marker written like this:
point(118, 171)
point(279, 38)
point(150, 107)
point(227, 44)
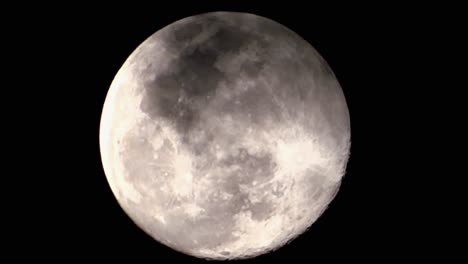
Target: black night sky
point(403, 196)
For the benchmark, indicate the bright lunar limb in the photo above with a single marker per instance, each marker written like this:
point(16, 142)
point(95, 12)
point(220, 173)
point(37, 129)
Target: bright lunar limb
point(224, 135)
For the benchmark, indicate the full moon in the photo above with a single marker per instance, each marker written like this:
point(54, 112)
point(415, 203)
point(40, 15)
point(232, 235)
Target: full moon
point(224, 135)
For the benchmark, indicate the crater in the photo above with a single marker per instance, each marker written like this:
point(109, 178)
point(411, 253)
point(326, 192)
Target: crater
point(261, 210)
point(245, 167)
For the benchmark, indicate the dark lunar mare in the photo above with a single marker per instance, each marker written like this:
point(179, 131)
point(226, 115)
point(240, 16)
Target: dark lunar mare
point(190, 82)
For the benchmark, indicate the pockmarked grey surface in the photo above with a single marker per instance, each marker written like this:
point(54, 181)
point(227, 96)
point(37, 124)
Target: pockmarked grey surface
point(225, 135)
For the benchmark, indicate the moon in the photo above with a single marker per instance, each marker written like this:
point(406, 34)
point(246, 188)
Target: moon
point(225, 135)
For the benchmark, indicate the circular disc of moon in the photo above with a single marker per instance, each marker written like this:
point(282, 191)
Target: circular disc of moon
point(224, 135)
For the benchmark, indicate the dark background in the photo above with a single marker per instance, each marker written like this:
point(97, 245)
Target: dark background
point(403, 196)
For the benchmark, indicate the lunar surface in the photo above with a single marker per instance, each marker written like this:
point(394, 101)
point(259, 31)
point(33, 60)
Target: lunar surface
point(225, 135)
